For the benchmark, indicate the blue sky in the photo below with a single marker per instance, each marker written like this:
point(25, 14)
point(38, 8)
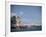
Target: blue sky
point(29, 14)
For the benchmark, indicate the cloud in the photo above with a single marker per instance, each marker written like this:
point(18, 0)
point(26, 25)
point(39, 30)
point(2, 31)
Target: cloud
point(21, 13)
point(13, 14)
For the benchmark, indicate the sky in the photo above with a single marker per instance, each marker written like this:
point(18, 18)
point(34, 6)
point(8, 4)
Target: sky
point(29, 14)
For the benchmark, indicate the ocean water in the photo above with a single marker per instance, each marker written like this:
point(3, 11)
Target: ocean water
point(33, 28)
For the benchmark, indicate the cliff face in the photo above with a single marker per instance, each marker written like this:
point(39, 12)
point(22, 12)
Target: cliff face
point(18, 20)
point(15, 21)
